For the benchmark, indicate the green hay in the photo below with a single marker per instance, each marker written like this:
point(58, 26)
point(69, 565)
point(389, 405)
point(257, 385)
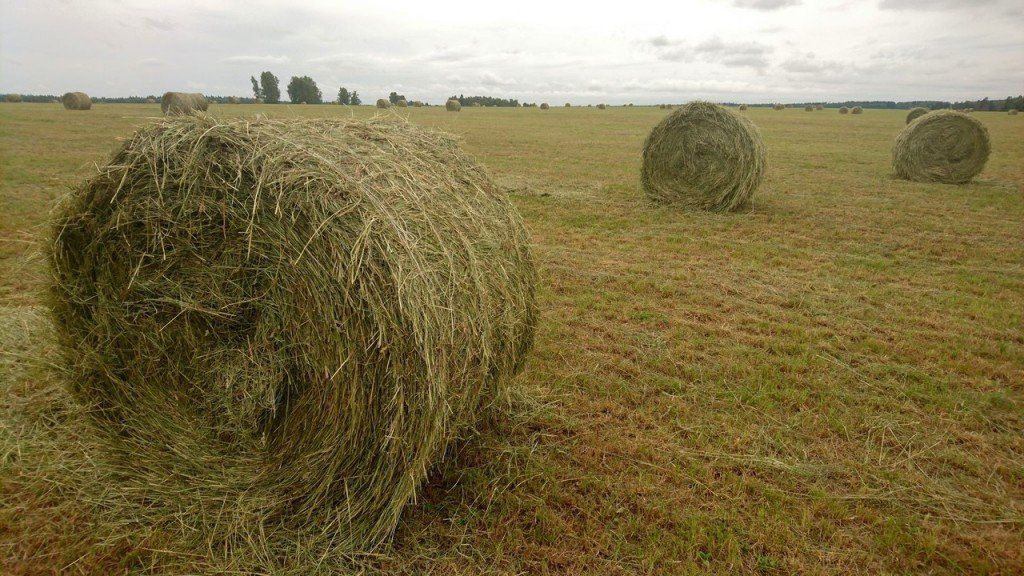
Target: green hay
point(452, 105)
point(942, 146)
point(916, 113)
point(280, 326)
point(844, 110)
point(703, 156)
point(76, 101)
point(175, 103)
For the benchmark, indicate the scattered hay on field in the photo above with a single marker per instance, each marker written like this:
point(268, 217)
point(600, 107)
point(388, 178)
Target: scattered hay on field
point(703, 156)
point(76, 101)
point(452, 105)
point(183, 103)
point(942, 146)
point(286, 324)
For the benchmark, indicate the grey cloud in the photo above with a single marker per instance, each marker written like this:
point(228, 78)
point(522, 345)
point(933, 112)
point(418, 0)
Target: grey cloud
point(765, 4)
point(731, 54)
point(255, 59)
point(157, 24)
point(932, 4)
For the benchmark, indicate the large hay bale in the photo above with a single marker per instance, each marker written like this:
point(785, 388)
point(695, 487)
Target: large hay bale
point(856, 110)
point(12, 98)
point(916, 113)
point(844, 110)
point(941, 146)
point(602, 106)
point(779, 107)
point(286, 323)
point(452, 105)
point(76, 101)
point(183, 103)
point(382, 103)
point(544, 106)
point(703, 156)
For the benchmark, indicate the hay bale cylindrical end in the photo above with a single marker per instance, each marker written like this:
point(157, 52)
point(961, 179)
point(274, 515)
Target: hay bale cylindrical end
point(942, 146)
point(76, 101)
point(452, 105)
point(178, 103)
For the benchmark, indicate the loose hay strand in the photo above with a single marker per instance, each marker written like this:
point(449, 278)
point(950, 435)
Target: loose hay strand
point(281, 326)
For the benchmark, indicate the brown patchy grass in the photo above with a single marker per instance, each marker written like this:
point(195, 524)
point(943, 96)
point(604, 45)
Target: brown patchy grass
point(830, 383)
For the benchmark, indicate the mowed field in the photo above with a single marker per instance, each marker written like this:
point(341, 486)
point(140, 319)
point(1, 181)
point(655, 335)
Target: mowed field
point(831, 382)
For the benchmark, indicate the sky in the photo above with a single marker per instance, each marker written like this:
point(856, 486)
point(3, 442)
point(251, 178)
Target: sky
point(536, 51)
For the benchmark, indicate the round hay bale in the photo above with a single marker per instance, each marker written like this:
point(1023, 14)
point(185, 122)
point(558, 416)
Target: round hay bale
point(475, 105)
point(183, 103)
point(382, 103)
point(941, 146)
point(856, 110)
point(12, 98)
point(743, 107)
point(150, 100)
point(402, 103)
point(844, 110)
point(779, 107)
point(568, 105)
point(808, 108)
point(287, 322)
point(417, 104)
point(601, 106)
point(1012, 111)
point(916, 113)
point(703, 156)
point(819, 107)
point(76, 101)
point(233, 100)
point(544, 106)
point(55, 101)
point(452, 105)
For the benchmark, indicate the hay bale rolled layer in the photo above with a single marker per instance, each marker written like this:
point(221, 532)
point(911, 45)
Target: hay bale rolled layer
point(916, 113)
point(856, 110)
point(183, 103)
point(452, 105)
point(290, 339)
point(76, 101)
point(382, 103)
point(941, 146)
point(844, 110)
point(703, 156)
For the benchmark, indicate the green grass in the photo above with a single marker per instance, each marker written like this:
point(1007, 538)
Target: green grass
point(830, 383)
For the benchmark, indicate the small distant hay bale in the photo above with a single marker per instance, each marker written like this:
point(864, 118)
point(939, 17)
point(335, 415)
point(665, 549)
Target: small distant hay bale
point(602, 106)
point(417, 104)
point(941, 146)
point(402, 103)
point(382, 103)
point(808, 108)
point(857, 110)
point(743, 107)
point(475, 105)
point(916, 113)
point(150, 100)
point(233, 100)
point(183, 103)
point(453, 105)
point(703, 156)
point(544, 106)
point(844, 110)
point(568, 105)
point(55, 101)
point(819, 107)
point(779, 107)
point(76, 101)
point(339, 300)
point(1012, 111)
point(12, 98)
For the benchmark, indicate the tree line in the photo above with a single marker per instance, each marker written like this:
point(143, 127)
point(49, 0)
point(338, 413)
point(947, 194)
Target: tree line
point(301, 90)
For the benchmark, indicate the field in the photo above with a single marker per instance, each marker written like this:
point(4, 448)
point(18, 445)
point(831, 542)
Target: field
point(829, 383)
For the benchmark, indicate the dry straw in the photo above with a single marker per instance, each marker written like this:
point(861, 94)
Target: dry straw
point(183, 103)
point(942, 146)
point(281, 326)
point(703, 156)
point(844, 110)
point(76, 101)
point(916, 113)
point(452, 105)
point(382, 103)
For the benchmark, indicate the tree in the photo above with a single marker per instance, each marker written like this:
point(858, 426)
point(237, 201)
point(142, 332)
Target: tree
point(255, 88)
point(394, 97)
point(343, 96)
point(303, 90)
point(355, 101)
point(270, 88)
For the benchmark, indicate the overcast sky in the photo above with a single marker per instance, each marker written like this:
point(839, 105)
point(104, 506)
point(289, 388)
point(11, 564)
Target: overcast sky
point(616, 52)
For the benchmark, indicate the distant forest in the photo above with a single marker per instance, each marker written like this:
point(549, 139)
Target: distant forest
point(996, 105)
